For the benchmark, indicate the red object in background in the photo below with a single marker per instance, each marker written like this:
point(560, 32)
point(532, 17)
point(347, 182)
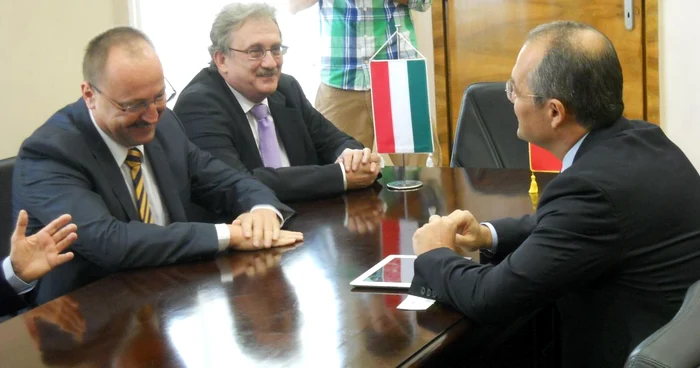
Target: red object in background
point(542, 160)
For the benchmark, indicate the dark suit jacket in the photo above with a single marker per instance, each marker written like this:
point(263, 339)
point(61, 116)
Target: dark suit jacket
point(65, 167)
point(215, 122)
point(615, 242)
point(10, 302)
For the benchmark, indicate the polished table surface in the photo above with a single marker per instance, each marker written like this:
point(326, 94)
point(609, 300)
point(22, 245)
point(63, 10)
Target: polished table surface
point(283, 307)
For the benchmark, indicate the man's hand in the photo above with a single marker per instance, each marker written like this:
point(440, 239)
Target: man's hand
point(353, 160)
point(33, 257)
point(261, 227)
point(361, 178)
point(470, 234)
point(239, 242)
point(439, 232)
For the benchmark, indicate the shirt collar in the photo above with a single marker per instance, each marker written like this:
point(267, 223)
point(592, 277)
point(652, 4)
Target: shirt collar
point(245, 103)
point(118, 151)
point(569, 157)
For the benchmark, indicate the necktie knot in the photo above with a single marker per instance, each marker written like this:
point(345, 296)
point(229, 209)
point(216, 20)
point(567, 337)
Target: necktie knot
point(134, 157)
point(260, 112)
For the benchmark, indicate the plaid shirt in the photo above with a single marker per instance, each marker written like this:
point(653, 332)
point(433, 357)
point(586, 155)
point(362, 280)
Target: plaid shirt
point(353, 30)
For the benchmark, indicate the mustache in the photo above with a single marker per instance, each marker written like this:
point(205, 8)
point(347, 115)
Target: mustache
point(267, 72)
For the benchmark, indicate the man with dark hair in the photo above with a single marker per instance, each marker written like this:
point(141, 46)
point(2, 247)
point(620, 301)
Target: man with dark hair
point(120, 163)
point(615, 241)
point(244, 111)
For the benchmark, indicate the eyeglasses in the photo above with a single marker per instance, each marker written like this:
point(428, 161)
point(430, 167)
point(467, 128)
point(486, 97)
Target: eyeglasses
point(141, 107)
point(257, 53)
point(510, 92)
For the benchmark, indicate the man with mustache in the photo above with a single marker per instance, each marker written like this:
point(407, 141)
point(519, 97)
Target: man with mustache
point(243, 110)
point(119, 162)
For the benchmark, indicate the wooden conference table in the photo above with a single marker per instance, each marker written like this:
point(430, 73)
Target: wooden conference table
point(285, 307)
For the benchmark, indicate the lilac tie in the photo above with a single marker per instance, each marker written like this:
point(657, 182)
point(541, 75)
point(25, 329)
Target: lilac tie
point(269, 147)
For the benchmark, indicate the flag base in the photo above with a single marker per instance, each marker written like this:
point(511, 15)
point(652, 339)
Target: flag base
point(404, 185)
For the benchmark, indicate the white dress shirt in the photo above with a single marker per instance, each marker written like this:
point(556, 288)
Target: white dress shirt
point(565, 164)
point(247, 106)
point(17, 284)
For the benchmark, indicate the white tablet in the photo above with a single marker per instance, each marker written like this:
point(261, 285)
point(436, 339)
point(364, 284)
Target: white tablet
point(394, 271)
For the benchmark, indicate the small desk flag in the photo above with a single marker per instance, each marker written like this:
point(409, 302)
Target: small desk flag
point(542, 160)
point(400, 106)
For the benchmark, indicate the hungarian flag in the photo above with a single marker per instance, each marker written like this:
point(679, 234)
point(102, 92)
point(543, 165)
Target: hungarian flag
point(542, 160)
point(400, 106)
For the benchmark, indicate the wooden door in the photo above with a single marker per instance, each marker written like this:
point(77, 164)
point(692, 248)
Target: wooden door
point(483, 37)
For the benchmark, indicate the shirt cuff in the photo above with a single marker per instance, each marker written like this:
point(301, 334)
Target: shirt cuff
point(345, 179)
point(494, 236)
point(223, 234)
point(18, 285)
point(269, 207)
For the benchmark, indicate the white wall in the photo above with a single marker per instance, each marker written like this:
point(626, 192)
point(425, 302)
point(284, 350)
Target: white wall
point(679, 73)
point(42, 43)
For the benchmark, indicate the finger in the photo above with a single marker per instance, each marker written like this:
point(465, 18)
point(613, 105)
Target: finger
point(276, 228)
point(66, 242)
point(250, 271)
point(373, 167)
point(268, 224)
point(434, 218)
point(21, 228)
point(347, 161)
point(370, 226)
point(270, 260)
point(258, 227)
point(365, 155)
point(260, 268)
point(356, 160)
point(236, 222)
point(247, 225)
point(56, 224)
point(361, 228)
point(64, 232)
point(63, 258)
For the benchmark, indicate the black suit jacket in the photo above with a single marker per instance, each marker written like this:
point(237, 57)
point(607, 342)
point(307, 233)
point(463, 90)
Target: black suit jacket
point(10, 302)
point(66, 167)
point(615, 241)
point(216, 123)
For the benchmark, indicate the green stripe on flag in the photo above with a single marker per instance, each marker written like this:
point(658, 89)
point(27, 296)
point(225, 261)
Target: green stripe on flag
point(420, 116)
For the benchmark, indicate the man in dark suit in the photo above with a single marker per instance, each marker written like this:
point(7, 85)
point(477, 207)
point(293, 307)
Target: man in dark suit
point(120, 163)
point(31, 257)
point(243, 110)
point(615, 241)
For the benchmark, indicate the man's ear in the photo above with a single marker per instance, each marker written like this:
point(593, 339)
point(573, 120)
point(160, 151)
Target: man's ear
point(220, 61)
point(557, 113)
point(88, 94)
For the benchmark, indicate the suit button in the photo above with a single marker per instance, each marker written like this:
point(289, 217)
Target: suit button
point(422, 290)
point(429, 292)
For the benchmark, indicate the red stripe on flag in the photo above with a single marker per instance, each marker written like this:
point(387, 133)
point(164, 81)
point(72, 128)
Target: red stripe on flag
point(543, 160)
point(381, 102)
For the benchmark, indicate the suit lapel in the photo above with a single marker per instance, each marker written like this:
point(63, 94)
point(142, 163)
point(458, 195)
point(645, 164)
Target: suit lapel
point(170, 197)
point(288, 124)
point(105, 160)
point(238, 116)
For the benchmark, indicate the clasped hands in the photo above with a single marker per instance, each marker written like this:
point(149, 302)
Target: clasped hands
point(260, 229)
point(361, 167)
point(458, 229)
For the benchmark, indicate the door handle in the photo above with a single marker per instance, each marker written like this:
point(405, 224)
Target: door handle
point(629, 14)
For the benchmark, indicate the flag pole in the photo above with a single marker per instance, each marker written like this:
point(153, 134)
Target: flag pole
point(402, 184)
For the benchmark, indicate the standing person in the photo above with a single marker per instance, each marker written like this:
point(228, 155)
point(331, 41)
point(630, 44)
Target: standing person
point(351, 33)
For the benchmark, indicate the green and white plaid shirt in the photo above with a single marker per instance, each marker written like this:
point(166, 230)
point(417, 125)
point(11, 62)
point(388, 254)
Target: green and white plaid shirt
point(353, 30)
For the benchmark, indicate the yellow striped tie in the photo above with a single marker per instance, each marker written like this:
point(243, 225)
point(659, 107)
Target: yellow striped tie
point(133, 160)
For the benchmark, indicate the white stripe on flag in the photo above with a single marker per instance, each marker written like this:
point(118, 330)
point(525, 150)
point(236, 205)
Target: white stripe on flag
point(401, 106)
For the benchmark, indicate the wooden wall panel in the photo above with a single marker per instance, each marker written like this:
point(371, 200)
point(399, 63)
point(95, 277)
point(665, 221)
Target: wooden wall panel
point(651, 58)
point(441, 96)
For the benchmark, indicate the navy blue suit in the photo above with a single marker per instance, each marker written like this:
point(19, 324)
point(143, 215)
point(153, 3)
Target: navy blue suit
point(216, 123)
point(65, 167)
point(615, 242)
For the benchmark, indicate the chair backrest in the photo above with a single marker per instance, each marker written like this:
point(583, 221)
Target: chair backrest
point(486, 134)
point(6, 224)
point(676, 344)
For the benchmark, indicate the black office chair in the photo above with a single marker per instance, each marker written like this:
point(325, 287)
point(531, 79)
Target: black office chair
point(7, 226)
point(676, 344)
point(486, 136)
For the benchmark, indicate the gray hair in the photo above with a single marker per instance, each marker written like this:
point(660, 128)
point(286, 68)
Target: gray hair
point(98, 48)
point(585, 77)
point(231, 18)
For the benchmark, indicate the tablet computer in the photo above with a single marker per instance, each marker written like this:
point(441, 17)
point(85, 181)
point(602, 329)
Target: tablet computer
point(394, 271)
